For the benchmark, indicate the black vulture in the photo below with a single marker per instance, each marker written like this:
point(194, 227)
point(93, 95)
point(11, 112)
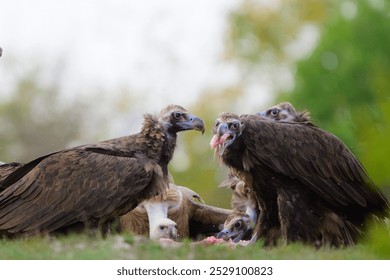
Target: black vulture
point(302, 177)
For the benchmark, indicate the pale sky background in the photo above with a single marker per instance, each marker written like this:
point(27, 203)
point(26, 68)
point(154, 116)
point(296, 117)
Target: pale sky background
point(167, 51)
point(170, 49)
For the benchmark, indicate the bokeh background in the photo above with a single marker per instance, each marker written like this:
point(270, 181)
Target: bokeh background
point(76, 72)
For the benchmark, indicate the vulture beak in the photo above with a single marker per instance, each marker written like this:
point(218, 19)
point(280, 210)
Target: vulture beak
point(172, 232)
point(263, 114)
point(227, 234)
point(223, 138)
point(192, 123)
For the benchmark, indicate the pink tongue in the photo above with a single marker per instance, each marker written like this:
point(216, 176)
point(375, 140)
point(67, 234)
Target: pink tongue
point(215, 141)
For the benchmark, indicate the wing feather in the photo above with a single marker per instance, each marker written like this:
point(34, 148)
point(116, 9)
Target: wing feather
point(72, 181)
point(313, 156)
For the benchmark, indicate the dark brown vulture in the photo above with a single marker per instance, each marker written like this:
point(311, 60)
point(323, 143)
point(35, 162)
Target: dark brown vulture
point(240, 224)
point(179, 204)
point(90, 185)
point(301, 176)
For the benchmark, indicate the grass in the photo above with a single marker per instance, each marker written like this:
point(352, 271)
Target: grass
point(121, 247)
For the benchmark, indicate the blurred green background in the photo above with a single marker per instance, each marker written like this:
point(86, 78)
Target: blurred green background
point(329, 57)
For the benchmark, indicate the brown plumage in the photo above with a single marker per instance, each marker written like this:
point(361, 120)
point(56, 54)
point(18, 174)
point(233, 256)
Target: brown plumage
point(299, 173)
point(240, 224)
point(6, 169)
point(334, 230)
point(181, 205)
point(92, 184)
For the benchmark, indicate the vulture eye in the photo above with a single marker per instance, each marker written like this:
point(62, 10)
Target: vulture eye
point(274, 112)
point(161, 227)
point(177, 115)
point(235, 125)
point(238, 224)
point(216, 123)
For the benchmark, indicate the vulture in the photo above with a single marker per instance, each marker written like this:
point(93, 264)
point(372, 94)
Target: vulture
point(334, 229)
point(180, 205)
point(303, 178)
point(240, 224)
point(88, 186)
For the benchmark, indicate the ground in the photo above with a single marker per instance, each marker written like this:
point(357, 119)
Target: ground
point(116, 246)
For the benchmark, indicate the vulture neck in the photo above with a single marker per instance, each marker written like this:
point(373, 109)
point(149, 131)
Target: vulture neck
point(160, 142)
point(233, 155)
point(156, 211)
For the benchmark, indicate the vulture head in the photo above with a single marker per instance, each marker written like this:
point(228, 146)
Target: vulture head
point(175, 119)
point(165, 228)
point(227, 129)
point(238, 226)
point(286, 112)
point(241, 222)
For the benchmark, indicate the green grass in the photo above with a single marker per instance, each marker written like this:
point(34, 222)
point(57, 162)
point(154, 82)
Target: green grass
point(81, 247)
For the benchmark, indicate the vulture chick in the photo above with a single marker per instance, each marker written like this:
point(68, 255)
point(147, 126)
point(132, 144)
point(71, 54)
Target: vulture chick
point(240, 224)
point(181, 205)
point(298, 174)
point(88, 186)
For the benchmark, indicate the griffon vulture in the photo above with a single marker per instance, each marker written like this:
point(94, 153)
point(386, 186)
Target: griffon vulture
point(90, 185)
point(179, 204)
point(299, 174)
point(240, 224)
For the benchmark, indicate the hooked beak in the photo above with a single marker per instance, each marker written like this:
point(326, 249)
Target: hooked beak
point(192, 123)
point(226, 234)
point(172, 232)
point(263, 114)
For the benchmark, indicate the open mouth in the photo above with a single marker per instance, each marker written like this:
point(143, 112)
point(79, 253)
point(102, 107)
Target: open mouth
point(222, 142)
point(234, 236)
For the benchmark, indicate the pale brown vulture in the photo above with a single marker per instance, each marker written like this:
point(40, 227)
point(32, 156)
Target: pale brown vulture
point(90, 185)
point(240, 224)
point(179, 204)
point(301, 175)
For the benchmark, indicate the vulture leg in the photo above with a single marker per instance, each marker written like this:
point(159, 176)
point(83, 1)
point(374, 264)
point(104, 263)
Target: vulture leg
point(299, 221)
point(268, 224)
